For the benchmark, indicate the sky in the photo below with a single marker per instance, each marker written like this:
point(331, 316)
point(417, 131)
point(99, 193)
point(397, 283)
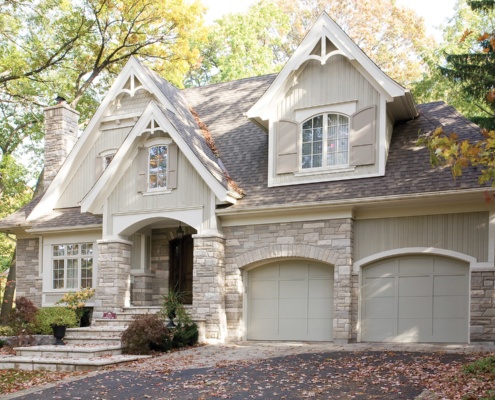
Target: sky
point(434, 12)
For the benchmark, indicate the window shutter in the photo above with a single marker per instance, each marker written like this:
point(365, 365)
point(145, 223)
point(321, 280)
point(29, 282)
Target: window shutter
point(172, 162)
point(143, 169)
point(98, 167)
point(287, 139)
point(363, 137)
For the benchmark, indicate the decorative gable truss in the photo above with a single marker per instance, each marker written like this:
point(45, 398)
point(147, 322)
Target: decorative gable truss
point(149, 131)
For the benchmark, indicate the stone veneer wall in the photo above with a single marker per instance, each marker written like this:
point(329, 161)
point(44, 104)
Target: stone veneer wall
point(328, 241)
point(483, 306)
point(114, 265)
point(28, 279)
point(209, 285)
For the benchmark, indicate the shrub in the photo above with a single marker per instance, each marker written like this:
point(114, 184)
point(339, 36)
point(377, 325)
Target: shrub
point(22, 317)
point(146, 333)
point(2, 343)
point(6, 331)
point(48, 316)
point(77, 300)
point(185, 335)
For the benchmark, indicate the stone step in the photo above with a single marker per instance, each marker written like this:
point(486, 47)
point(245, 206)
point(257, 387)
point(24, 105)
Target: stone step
point(140, 310)
point(68, 351)
point(75, 341)
point(94, 331)
point(118, 322)
point(64, 364)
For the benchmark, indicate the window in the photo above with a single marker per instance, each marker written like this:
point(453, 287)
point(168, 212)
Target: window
point(325, 141)
point(157, 167)
point(72, 266)
point(107, 160)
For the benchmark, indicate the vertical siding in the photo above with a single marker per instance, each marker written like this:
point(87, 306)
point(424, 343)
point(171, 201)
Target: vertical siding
point(465, 233)
point(85, 177)
point(191, 191)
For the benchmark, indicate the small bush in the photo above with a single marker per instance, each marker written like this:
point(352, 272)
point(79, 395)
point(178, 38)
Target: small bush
point(146, 333)
point(482, 366)
point(185, 335)
point(22, 317)
point(2, 343)
point(6, 331)
point(48, 316)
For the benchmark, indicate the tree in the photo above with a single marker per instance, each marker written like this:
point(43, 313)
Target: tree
point(474, 72)
point(394, 37)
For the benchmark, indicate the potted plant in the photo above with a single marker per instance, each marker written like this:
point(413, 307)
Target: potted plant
point(172, 302)
point(59, 318)
point(77, 301)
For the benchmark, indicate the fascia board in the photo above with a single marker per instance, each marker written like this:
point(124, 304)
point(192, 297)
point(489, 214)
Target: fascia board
point(87, 139)
point(94, 200)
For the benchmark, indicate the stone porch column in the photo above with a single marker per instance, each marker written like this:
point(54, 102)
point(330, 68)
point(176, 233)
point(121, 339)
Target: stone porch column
point(114, 266)
point(209, 285)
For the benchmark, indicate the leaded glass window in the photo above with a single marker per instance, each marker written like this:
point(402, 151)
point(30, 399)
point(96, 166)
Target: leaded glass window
point(157, 167)
point(72, 266)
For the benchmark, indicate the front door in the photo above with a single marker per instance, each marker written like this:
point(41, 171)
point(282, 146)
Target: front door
point(181, 266)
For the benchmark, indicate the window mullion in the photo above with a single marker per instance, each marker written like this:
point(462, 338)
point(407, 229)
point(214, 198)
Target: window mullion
point(325, 138)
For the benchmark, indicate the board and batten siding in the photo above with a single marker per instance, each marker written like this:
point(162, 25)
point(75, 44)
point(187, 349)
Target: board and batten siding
point(191, 191)
point(85, 176)
point(335, 82)
point(465, 233)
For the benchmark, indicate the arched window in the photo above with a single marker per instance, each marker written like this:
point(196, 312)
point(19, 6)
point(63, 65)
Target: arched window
point(325, 141)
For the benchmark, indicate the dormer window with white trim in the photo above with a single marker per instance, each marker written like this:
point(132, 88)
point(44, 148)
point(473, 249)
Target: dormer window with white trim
point(325, 141)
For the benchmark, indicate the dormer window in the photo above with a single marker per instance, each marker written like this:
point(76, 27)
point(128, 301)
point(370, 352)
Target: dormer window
point(157, 167)
point(325, 141)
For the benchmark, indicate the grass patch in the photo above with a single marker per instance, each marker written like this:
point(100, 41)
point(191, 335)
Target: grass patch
point(13, 380)
point(482, 366)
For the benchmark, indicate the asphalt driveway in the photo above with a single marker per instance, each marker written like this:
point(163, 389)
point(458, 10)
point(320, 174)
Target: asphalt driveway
point(323, 375)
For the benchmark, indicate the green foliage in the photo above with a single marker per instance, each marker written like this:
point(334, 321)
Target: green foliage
point(77, 300)
point(482, 366)
point(185, 335)
point(146, 333)
point(23, 317)
point(2, 343)
point(6, 331)
point(48, 316)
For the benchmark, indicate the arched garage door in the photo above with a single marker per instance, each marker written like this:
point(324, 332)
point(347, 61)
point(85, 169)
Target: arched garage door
point(290, 300)
point(415, 299)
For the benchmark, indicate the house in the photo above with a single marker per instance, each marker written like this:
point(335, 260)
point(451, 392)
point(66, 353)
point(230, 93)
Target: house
point(294, 206)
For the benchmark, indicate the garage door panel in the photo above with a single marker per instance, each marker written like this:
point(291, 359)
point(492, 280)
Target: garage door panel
point(293, 308)
point(321, 288)
point(449, 285)
point(264, 308)
point(293, 328)
point(381, 307)
point(320, 270)
point(379, 287)
point(320, 308)
point(294, 270)
point(448, 267)
point(270, 271)
point(264, 289)
point(386, 269)
point(414, 286)
point(263, 329)
point(320, 329)
point(380, 328)
point(413, 330)
point(450, 329)
point(295, 289)
point(415, 307)
point(450, 307)
point(415, 266)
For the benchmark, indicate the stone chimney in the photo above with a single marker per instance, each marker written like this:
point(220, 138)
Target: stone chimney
point(61, 132)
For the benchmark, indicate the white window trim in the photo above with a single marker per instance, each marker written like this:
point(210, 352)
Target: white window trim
point(152, 143)
point(346, 108)
point(324, 168)
point(67, 257)
point(104, 154)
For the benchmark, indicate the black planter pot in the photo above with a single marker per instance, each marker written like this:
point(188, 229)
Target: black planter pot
point(58, 334)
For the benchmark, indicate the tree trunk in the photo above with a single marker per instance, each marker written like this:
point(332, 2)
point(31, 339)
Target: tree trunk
point(8, 296)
